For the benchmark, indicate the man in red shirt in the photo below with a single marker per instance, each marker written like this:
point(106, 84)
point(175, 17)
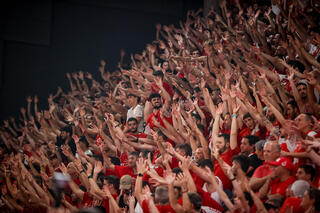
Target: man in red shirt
point(157, 106)
point(306, 172)
point(132, 128)
point(276, 185)
point(252, 128)
point(119, 171)
point(226, 153)
point(159, 77)
point(271, 151)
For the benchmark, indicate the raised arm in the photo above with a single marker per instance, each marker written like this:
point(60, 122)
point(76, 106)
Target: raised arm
point(172, 198)
point(234, 128)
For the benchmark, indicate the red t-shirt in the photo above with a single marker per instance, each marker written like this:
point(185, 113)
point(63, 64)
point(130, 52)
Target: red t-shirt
point(292, 202)
point(159, 119)
point(278, 187)
point(124, 170)
point(119, 171)
point(207, 200)
point(226, 157)
point(105, 202)
point(262, 171)
point(139, 134)
point(162, 209)
point(260, 132)
point(197, 180)
point(123, 156)
point(86, 200)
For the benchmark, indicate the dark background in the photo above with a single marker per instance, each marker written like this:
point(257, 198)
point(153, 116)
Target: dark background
point(42, 40)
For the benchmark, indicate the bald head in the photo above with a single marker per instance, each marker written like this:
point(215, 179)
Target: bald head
point(271, 151)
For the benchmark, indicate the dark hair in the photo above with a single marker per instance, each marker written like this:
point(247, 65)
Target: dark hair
point(84, 140)
point(195, 199)
point(205, 162)
point(114, 180)
point(98, 157)
point(243, 160)
point(115, 160)
point(158, 73)
point(145, 153)
point(154, 95)
point(297, 64)
point(132, 119)
point(197, 89)
point(301, 83)
point(247, 115)
point(176, 170)
point(145, 183)
point(196, 116)
point(67, 129)
point(186, 148)
point(135, 153)
point(133, 95)
point(160, 133)
point(315, 194)
point(293, 103)
point(226, 137)
point(308, 169)
point(252, 139)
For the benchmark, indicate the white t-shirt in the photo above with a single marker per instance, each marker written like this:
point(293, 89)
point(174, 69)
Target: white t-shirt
point(134, 113)
point(214, 195)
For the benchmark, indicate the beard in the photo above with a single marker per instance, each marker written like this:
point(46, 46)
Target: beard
point(246, 153)
point(222, 150)
point(157, 106)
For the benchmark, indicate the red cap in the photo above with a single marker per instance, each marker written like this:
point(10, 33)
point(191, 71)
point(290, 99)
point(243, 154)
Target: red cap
point(284, 162)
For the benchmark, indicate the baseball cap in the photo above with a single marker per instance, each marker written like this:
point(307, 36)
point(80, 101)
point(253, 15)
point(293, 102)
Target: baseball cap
point(284, 162)
point(125, 182)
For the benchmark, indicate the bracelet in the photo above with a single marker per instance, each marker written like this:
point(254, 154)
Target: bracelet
point(234, 115)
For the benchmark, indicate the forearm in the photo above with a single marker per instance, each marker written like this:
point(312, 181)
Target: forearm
point(215, 127)
point(173, 200)
point(258, 202)
point(295, 154)
point(223, 196)
point(314, 157)
point(296, 95)
point(204, 144)
point(256, 183)
point(264, 189)
point(29, 110)
point(14, 133)
point(233, 133)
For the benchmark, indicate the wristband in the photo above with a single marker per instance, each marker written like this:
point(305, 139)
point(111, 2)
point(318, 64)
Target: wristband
point(234, 115)
point(140, 175)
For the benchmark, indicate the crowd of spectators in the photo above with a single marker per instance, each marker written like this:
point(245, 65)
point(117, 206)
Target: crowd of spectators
point(220, 114)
